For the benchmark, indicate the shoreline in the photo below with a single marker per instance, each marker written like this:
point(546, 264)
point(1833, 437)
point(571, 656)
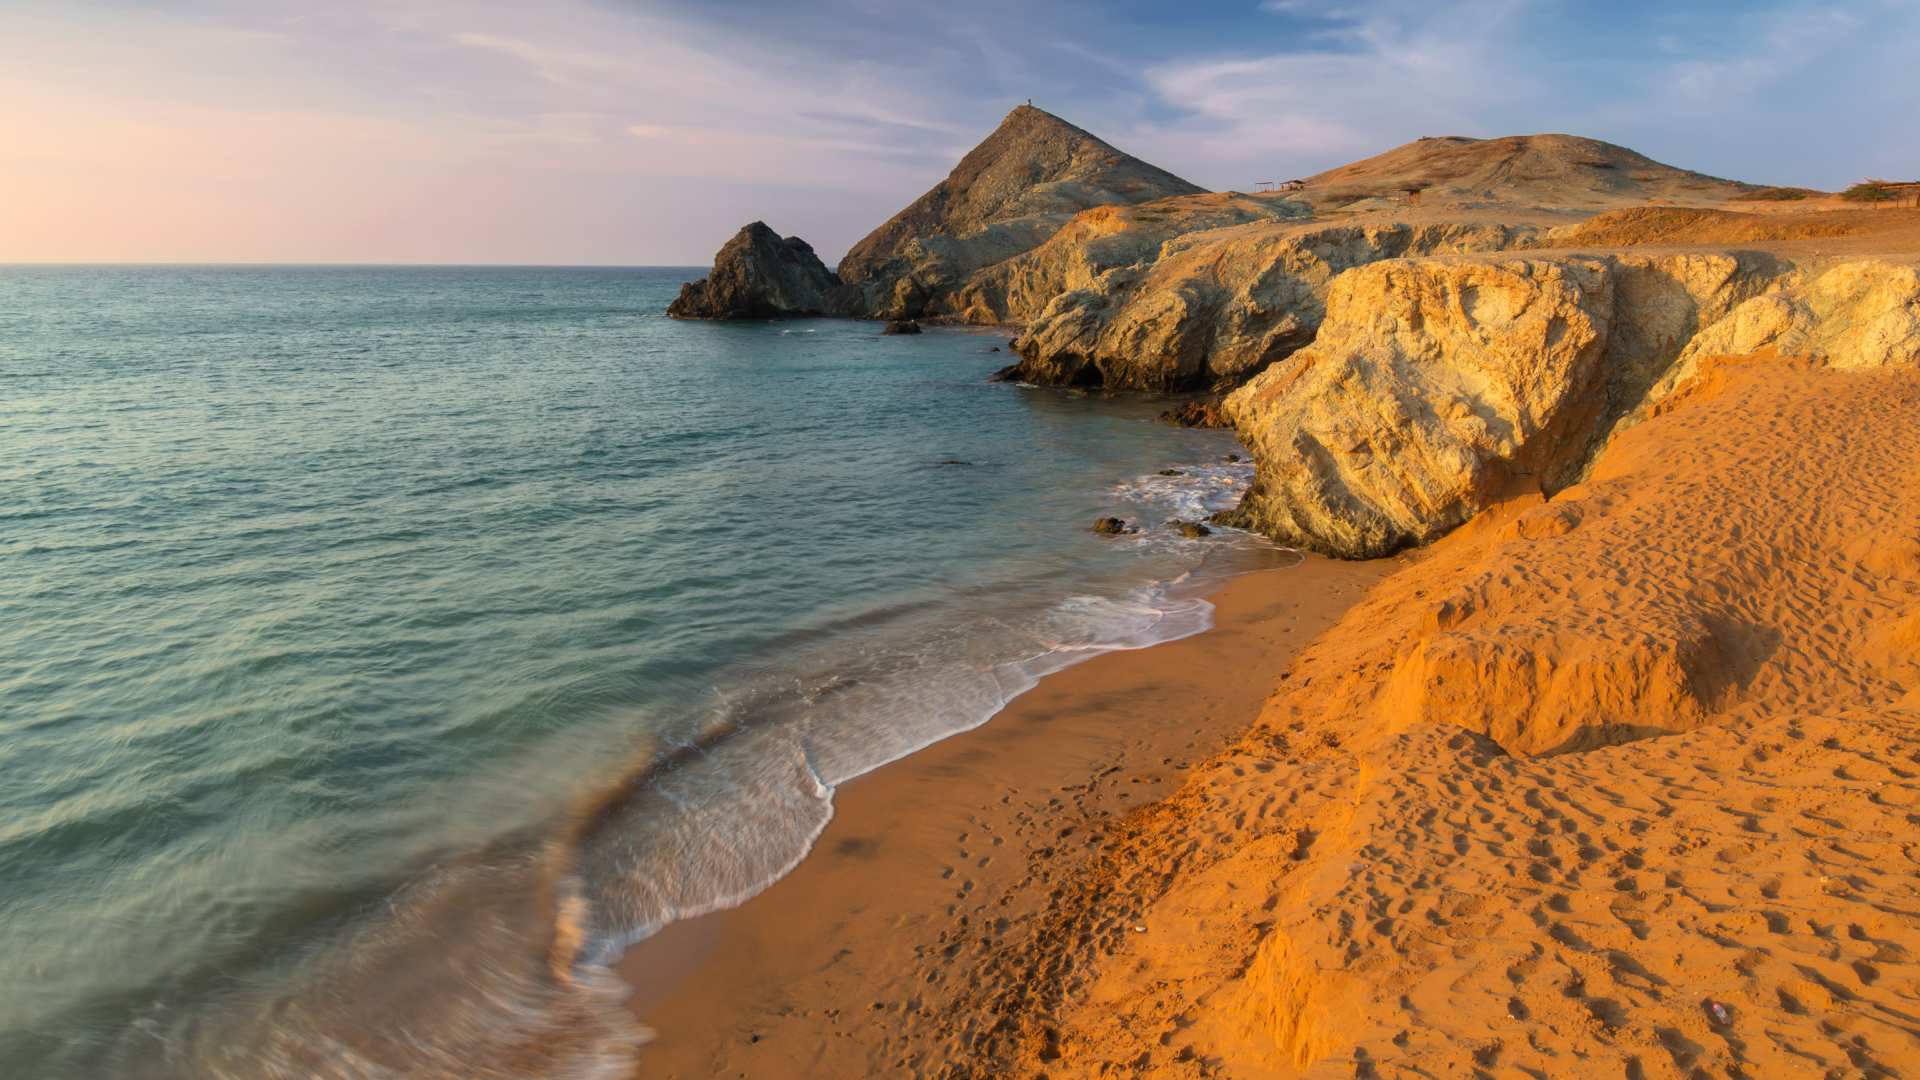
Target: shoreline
point(794, 980)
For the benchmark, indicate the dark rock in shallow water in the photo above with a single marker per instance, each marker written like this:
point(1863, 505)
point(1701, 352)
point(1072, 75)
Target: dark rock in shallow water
point(996, 348)
point(1197, 414)
point(1171, 472)
point(902, 326)
point(1192, 530)
point(1010, 373)
point(1112, 526)
point(760, 274)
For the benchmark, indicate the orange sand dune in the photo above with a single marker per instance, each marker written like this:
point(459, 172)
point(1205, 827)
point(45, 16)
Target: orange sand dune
point(1709, 866)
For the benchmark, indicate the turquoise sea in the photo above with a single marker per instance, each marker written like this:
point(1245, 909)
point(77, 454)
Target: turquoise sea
point(382, 649)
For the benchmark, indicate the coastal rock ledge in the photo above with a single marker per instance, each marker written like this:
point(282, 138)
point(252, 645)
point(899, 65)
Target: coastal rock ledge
point(1436, 383)
point(760, 274)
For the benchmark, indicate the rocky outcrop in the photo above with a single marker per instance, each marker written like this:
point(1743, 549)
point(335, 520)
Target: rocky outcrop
point(760, 274)
point(1852, 315)
point(1208, 308)
point(1432, 383)
point(1095, 241)
point(1435, 383)
point(1008, 195)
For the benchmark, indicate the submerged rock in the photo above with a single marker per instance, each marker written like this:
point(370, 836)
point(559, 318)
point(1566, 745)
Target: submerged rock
point(760, 274)
point(1198, 414)
point(1192, 530)
point(902, 326)
point(1112, 526)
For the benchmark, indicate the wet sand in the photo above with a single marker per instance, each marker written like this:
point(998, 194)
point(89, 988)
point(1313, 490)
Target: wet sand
point(837, 969)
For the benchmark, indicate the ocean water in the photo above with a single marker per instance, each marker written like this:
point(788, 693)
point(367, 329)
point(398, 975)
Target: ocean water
point(383, 649)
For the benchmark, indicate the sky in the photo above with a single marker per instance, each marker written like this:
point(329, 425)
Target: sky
point(629, 132)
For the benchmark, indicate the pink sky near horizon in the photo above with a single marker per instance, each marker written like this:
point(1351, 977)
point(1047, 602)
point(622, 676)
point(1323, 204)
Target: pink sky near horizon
point(645, 131)
point(205, 141)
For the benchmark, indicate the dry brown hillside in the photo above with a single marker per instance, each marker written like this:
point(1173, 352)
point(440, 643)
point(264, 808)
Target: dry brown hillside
point(1557, 171)
point(1673, 226)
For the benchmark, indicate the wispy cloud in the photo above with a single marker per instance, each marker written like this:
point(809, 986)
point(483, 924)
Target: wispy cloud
point(647, 130)
point(556, 65)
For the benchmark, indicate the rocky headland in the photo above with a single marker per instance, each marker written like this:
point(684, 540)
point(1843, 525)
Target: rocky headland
point(1616, 769)
point(1403, 337)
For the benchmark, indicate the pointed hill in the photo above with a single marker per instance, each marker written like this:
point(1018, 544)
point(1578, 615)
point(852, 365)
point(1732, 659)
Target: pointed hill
point(1007, 195)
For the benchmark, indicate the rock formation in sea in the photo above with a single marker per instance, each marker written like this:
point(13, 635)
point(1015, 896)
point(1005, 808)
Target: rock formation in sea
point(1007, 195)
point(760, 274)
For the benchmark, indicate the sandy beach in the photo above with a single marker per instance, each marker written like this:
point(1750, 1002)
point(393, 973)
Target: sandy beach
point(1238, 541)
point(1434, 849)
point(841, 968)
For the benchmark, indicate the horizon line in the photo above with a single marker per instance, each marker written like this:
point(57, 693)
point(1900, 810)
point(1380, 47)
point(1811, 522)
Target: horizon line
point(388, 265)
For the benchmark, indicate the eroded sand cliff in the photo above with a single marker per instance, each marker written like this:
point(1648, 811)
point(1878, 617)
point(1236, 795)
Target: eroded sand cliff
point(1453, 843)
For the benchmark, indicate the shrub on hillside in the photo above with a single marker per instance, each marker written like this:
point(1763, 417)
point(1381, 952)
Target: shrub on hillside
point(1781, 194)
point(1869, 191)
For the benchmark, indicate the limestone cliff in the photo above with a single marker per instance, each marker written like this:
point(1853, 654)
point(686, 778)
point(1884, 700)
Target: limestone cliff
point(1007, 195)
point(1431, 383)
point(1208, 307)
point(1190, 301)
point(1436, 382)
point(760, 274)
point(1851, 315)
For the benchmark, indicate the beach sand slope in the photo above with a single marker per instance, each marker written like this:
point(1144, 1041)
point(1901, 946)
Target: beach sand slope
point(853, 964)
point(1625, 780)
